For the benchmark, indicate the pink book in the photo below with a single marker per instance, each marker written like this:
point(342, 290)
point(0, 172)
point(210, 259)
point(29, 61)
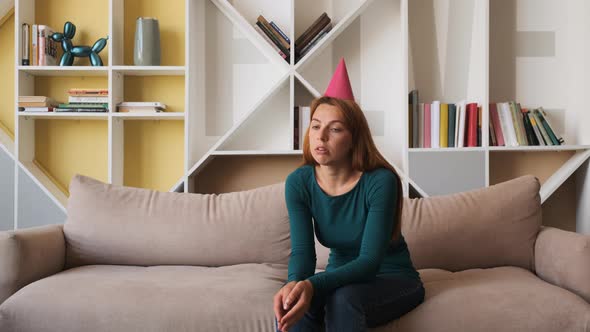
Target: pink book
point(427, 122)
point(495, 117)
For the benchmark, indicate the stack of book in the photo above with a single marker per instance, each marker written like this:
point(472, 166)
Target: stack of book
point(512, 125)
point(302, 119)
point(86, 100)
point(441, 125)
point(141, 107)
point(274, 36)
point(310, 37)
point(35, 104)
point(38, 47)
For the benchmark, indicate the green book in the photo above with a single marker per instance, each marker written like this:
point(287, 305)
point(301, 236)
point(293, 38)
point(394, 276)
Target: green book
point(83, 105)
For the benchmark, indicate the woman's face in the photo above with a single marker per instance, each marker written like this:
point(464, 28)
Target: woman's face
point(330, 141)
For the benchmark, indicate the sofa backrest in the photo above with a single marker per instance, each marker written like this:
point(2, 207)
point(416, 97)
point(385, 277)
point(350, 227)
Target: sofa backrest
point(482, 228)
point(110, 224)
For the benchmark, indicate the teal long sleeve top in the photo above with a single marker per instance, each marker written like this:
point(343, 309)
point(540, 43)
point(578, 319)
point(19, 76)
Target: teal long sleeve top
point(356, 226)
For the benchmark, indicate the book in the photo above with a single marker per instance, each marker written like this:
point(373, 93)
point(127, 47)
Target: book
point(36, 109)
point(427, 125)
point(413, 117)
point(270, 42)
point(311, 32)
point(462, 128)
point(435, 124)
point(558, 138)
point(34, 48)
point(25, 44)
point(83, 105)
point(47, 48)
point(540, 139)
point(420, 127)
point(275, 33)
point(273, 38)
point(444, 125)
point(452, 121)
point(471, 124)
point(81, 110)
point(304, 120)
point(277, 29)
point(544, 133)
point(315, 40)
point(495, 119)
point(88, 92)
point(139, 109)
point(84, 99)
point(139, 104)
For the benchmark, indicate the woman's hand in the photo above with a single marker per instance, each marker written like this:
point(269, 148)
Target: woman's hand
point(280, 307)
point(296, 304)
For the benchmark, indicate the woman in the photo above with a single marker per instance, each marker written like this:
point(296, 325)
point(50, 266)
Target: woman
point(355, 198)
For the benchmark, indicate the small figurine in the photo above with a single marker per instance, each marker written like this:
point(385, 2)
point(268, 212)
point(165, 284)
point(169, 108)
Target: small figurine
point(71, 51)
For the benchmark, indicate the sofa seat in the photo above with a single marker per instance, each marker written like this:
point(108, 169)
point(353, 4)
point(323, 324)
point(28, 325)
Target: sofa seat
point(239, 298)
point(492, 300)
point(158, 298)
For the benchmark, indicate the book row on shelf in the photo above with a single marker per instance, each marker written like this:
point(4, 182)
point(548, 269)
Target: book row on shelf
point(281, 43)
point(440, 125)
point(85, 100)
point(513, 125)
point(38, 48)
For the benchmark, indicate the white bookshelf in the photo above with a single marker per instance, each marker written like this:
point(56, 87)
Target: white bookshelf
point(239, 94)
point(495, 51)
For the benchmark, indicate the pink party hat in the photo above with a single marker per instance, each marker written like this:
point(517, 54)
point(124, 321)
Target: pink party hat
point(339, 86)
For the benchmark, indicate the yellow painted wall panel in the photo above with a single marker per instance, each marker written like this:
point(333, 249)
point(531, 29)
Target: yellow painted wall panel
point(154, 153)
point(66, 147)
point(91, 19)
point(7, 69)
point(166, 89)
point(170, 15)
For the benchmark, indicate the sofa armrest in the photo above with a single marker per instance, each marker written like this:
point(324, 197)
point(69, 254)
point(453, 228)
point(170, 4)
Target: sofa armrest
point(563, 259)
point(27, 255)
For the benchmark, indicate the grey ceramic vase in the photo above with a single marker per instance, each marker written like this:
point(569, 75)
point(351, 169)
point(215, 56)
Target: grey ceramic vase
point(147, 42)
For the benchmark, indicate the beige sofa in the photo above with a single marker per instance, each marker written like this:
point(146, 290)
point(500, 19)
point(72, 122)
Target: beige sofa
point(132, 259)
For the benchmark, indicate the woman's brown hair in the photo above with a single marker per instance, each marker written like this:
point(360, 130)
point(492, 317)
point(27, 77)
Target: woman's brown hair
point(365, 156)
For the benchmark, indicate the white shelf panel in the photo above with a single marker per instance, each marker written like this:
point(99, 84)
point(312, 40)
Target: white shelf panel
point(540, 148)
point(65, 70)
point(150, 70)
point(248, 30)
point(256, 153)
point(423, 150)
point(333, 34)
point(149, 116)
point(562, 174)
point(46, 184)
point(66, 115)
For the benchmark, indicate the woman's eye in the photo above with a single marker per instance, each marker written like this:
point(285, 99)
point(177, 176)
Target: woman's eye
point(336, 130)
point(315, 127)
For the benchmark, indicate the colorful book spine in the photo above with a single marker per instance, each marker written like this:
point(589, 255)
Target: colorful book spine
point(444, 125)
point(277, 29)
point(427, 126)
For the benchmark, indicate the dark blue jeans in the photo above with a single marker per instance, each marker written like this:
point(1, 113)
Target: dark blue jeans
point(357, 306)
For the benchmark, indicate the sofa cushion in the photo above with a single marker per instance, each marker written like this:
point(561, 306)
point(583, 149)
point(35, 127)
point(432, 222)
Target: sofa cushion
point(239, 298)
point(495, 299)
point(157, 298)
point(488, 227)
point(111, 224)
